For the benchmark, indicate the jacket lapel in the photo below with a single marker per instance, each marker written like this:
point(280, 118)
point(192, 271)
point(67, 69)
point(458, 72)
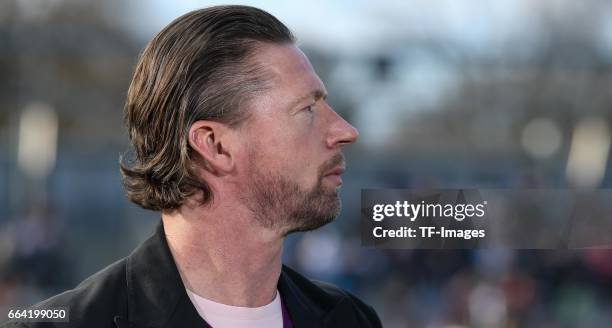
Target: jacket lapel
point(342, 315)
point(311, 306)
point(303, 311)
point(156, 294)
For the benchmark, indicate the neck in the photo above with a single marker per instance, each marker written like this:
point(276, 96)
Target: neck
point(223, 255)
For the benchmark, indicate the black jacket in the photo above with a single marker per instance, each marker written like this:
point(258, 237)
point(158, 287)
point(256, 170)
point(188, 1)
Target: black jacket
point(146, 290)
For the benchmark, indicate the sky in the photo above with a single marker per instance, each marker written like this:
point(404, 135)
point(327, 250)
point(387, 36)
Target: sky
point(363, 26)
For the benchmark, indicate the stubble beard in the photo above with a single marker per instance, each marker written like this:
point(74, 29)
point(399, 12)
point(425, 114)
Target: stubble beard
point(281, 204)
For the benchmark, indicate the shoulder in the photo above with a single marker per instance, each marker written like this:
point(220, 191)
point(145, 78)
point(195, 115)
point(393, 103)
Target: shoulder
point(330, 296)
point(101, 296)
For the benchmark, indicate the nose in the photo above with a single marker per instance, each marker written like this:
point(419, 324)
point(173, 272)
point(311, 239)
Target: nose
point(341, 133)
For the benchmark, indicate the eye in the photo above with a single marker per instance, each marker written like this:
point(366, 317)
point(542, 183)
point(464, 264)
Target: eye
point(309, 109)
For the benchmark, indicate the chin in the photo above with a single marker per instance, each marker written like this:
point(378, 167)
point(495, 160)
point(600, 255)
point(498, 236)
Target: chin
point(317, 216)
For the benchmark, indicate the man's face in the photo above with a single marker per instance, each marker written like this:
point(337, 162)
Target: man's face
point(292, 159)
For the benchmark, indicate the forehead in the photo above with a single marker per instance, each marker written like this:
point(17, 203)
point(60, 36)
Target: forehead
point(290, 69)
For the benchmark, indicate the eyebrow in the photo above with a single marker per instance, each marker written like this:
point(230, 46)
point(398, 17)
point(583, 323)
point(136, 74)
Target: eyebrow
point(316, 94)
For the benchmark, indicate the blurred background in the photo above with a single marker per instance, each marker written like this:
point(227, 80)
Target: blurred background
point(446, 94)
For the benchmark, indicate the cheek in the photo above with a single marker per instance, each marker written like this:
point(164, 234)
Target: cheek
point(290, 146)
point(295, 160)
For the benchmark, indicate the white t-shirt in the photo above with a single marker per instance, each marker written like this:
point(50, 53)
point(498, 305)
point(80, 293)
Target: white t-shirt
point(220, 315)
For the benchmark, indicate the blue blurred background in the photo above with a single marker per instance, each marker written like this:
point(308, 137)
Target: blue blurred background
point(446, 94)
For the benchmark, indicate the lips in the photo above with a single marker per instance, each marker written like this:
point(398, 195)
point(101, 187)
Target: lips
point(334, 175)
point(336, 171)
point(333, 169)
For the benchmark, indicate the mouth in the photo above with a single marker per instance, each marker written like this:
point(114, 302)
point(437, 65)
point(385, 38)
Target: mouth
point(334, 175)
point(336, 171)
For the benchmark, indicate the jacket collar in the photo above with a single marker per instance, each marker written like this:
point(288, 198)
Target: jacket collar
point(157, 296)
point(310, 306)
point(302, 310)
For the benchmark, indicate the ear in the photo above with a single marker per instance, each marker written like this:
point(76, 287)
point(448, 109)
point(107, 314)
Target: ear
point(210, 140)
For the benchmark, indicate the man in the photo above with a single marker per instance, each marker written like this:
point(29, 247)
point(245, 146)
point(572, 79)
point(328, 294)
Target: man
point(234, 143)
